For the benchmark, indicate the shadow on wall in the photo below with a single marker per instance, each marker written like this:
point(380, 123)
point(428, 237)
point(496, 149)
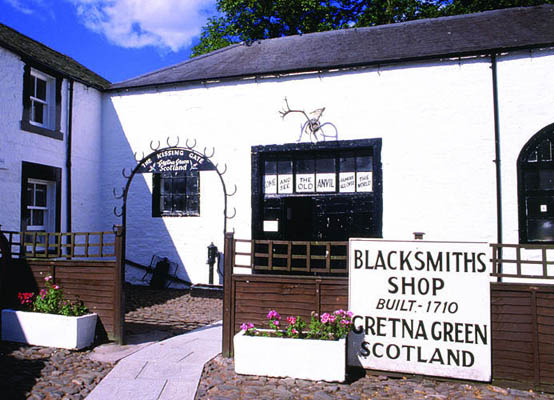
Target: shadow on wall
point(146, 235)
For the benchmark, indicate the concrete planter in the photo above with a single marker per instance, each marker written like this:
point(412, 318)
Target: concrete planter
point(296, 358)
point(48, 329)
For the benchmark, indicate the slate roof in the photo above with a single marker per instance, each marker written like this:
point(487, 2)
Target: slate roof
point(471, 34)
point(32, 50)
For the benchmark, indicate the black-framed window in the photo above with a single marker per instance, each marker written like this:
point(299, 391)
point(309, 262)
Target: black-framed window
point(337, 191)
point(40, 197)
point(42, 102)
point(535, 167)
point(176, 194)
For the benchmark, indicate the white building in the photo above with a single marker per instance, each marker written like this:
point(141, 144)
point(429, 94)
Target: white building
point(431, 117)
point(50, 138)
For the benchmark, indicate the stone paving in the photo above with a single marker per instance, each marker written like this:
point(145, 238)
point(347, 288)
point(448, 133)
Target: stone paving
point(33, 372)
point(219, 382)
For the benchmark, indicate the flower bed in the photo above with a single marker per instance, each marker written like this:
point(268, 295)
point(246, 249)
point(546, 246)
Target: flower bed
point(49, 320)
point(318, 353)
point(50, 330)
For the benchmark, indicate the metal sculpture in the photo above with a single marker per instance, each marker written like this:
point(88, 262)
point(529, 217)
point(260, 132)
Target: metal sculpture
point(312, 127)
point(197, 161)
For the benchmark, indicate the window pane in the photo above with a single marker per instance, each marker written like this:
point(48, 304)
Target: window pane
point(325, 165)
point(546, 179)
point(37, 217)
point(545, 150)
point(38, 112)
point(32, 85)
point(270, 167)
point(531, 179)
point(364, 163)
point(179, 203)
point(285, 167)
point(30, 194)
point(192, 185)
point(166, 203)
point(193, 205)
point(179, 186)
point(40, 193)
point(540, 230)
point(533, 157)
point(166, 186)
point(305, 166)
point(347, 163)
point(41, 89)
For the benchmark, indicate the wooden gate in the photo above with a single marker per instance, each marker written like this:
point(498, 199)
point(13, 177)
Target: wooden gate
point(87, 265)
point(522, 314)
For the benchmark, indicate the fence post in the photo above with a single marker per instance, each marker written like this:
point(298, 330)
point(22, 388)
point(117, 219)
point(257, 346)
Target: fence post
point(119, 280)
point(228, 295)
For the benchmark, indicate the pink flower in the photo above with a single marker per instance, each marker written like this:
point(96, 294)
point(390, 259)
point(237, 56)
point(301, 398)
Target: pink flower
point(291, 320)
point(49, 277)
point(276, 322)
point(325, 318)
point(339, 312)
point(55, 287)
point(244, 327)
point(349, 314)
point(294, 331)
point(344, 322)
point(273, 314)
point(250, 325)
point(332, 318)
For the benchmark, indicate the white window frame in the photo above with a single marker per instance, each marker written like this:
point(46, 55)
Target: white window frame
point(49, 209)
point(49, 113)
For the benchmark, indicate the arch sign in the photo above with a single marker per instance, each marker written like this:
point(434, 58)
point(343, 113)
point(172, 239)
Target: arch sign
point(421, 307)
point(175, 160)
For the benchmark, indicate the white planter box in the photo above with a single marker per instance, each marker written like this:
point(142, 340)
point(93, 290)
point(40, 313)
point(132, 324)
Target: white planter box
point(318, 360)
point(48, 329)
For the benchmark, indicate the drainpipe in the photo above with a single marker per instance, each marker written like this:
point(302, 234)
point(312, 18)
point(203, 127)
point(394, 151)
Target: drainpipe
point(497, 160)
point(68, 154)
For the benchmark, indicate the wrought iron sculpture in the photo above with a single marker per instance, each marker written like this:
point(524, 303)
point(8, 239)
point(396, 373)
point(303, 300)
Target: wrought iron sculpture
point(312, 127)
point(139, 168)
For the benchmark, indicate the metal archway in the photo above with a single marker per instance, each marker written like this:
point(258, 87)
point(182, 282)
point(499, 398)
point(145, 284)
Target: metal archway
point(170, 158)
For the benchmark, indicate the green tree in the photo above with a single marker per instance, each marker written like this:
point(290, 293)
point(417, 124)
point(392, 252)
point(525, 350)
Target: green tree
point(251, 20)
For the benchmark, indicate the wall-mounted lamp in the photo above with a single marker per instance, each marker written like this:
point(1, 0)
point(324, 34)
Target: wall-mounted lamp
point(418, 235)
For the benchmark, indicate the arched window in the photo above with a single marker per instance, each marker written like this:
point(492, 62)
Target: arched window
point(535, 168)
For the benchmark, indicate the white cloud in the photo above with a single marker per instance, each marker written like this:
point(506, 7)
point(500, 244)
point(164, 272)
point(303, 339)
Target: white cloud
point(166, 24)
point(27, 6)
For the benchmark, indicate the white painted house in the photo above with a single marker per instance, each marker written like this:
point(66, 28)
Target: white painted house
point(50, 138)
point(431, 117)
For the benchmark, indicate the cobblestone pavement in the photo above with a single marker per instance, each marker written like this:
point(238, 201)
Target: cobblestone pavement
point(32, 372)
point(220, 382)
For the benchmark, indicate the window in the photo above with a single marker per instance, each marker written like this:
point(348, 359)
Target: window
point(41, 200)
point(536, 188)
point(41, 103)
point(40, 197)
point(176, 194)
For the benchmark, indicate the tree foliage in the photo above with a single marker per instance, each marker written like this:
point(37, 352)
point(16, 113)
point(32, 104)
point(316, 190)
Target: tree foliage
point(251, 20)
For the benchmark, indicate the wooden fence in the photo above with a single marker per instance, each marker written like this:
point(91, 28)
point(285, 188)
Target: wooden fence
point(86, 265)
point(522, 314)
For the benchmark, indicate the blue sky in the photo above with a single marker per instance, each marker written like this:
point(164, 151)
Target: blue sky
point(118, 39)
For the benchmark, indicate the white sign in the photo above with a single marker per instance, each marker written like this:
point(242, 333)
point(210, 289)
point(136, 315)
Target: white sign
point(421, 307)
point(305, 183)
point(326, 182)
point(364, 181)
point(285, 183)
point(270, 184)
point(347, 182)
point(271, 226)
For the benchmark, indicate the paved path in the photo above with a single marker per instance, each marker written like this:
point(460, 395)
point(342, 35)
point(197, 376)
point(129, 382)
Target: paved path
point(166, 370)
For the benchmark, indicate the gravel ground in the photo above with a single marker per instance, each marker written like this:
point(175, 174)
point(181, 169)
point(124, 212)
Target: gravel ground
point(219, 382)
point(33, 372)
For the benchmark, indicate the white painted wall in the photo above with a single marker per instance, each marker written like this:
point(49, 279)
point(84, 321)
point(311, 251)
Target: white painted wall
point(435, 119)
point(17, 145)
